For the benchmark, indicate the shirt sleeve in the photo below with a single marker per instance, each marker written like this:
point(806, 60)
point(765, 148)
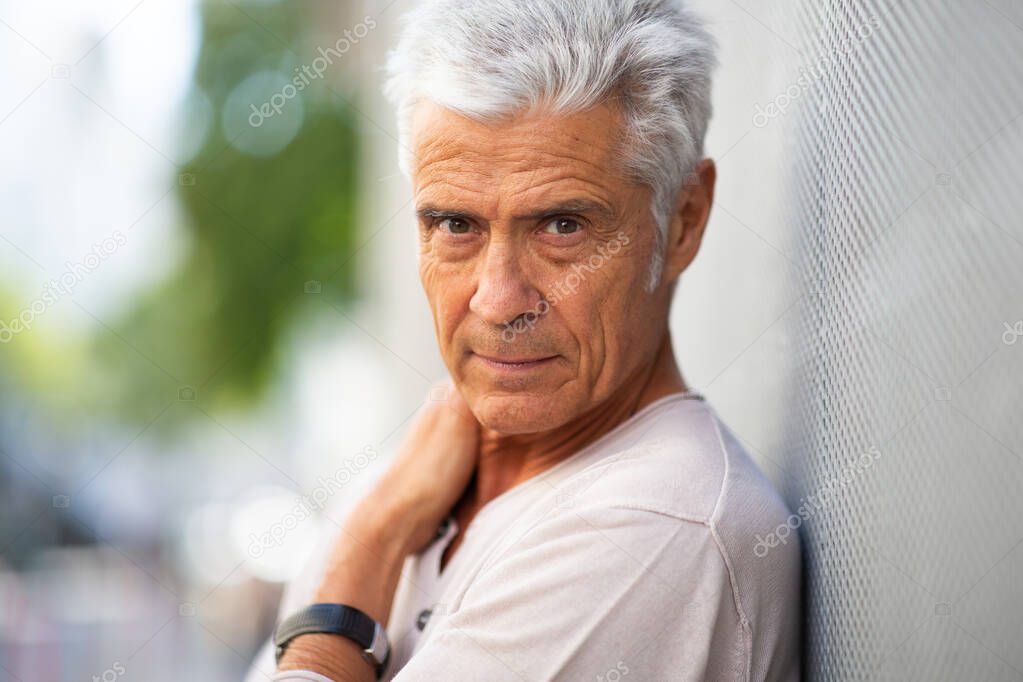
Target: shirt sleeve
point(299, 676)
point(598, 594)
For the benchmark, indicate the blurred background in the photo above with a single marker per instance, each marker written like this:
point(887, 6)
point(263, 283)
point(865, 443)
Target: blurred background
point(212, 334)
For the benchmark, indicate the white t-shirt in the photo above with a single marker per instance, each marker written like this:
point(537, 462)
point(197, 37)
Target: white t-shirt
point(633, 558)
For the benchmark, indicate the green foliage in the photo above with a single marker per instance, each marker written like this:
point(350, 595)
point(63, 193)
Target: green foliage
point(259, 228)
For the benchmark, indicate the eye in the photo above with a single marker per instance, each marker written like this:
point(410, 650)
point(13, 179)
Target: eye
point(562, 226)
point(455, 225)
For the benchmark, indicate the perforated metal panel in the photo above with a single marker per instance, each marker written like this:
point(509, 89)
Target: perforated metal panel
point(904, 169)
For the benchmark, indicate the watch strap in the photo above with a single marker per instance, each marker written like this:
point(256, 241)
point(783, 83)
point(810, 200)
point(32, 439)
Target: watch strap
point(336, 619)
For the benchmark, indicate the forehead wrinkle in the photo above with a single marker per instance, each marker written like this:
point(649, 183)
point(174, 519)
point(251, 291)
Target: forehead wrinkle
point(529, 149)
point(457, 190)
point(453, 183)
point(561, 189)
point(511, 163)
point(533, 185)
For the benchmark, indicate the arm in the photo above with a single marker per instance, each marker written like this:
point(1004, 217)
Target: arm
point(397, 518)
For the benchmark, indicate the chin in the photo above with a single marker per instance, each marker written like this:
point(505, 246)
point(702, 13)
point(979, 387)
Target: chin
point(522, 413)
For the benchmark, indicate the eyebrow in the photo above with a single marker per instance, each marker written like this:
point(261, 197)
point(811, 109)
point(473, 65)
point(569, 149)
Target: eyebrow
point(568, 207)
point(573, 206)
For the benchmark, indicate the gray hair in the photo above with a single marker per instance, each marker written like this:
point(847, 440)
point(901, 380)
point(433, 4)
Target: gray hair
point(487, 59)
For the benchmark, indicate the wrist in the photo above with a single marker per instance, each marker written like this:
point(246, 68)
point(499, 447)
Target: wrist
point(399, 521)
point(342, 623)
point(328, 655)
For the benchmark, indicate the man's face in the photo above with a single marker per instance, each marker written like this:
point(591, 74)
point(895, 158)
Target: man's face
point(535, 253)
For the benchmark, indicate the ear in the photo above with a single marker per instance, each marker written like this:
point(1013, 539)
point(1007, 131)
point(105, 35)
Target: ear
point(687, 222)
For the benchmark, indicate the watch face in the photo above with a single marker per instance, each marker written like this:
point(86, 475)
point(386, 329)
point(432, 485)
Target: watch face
point(380, 649)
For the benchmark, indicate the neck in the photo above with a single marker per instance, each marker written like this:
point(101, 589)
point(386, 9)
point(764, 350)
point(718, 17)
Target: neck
point(507, 460)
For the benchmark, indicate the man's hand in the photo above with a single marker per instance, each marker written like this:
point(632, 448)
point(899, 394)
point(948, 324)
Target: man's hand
point(398, 517)
point(432, 468)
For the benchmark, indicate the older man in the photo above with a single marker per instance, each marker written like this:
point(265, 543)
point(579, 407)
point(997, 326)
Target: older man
point(573, 510)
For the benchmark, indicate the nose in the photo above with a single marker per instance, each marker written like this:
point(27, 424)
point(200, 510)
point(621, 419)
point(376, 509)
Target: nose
point(503, 290)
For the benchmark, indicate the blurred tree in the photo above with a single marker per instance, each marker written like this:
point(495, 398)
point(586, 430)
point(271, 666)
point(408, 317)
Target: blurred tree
point(270, 208)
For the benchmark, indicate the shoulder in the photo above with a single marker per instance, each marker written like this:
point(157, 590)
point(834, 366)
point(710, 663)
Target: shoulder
point(690, 470)
point(690, 489)
point(690, 476)
point(687, 465)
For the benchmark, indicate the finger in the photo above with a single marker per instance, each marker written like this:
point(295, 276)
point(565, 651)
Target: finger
point(448, 393)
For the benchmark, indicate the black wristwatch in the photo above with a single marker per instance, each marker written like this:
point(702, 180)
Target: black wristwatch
point(337, 619)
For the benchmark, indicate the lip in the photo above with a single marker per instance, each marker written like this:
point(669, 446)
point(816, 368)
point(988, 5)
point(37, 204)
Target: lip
point(515, 364)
